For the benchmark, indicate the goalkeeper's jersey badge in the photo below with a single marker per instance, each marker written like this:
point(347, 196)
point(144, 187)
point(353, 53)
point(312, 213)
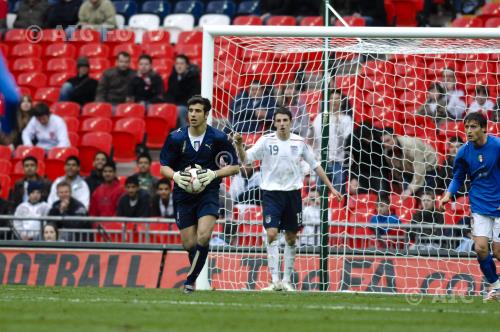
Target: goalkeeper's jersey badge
point(480, 158)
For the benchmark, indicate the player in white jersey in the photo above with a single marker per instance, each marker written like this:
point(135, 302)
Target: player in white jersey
point(281, 153)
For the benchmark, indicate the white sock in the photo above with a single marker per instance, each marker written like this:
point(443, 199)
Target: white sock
point(289, 261)
point(496, 284)
point(273, 260)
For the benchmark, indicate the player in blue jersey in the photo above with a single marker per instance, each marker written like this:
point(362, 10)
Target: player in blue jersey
point(479, 159)
point(195, 214)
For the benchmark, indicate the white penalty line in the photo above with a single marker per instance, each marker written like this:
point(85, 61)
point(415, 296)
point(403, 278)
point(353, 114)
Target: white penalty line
point(246, 305)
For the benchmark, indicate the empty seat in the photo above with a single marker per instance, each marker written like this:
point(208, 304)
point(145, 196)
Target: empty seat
point(66, 108)
point(5, 152)
point(27, 65)
point(248, 8)
point(157, 129)
point(48, 95)
point(143, 22)
point(56, 158)
point(60, 50)
point(100, 109)
point(135, 126)
point(74, 138)
point(96, 124)
point(85, 36)
point(5, 183)
point(91, 144)
point(166, 111)
point(61, 65)
point(156, 37)
point(192, 7)
point(165, 51)
point(23, 151)
point(5, 166)
point(127, 134)
point(227, 8)
point(312, 21)
point(15, 36)
point(190, 50)
point(62, 153)
point(281, 20)
point(159, 8)
point(52, 36)
point(214, 19)
point(32, 80)
point(72, 123)
point(25, 50)
point(352, 21)
point(190, 37)
point(493, 22)
point(467, 22)
point(98, 65)
point(119, 36)
point(58, 79)
point(133, 49)
point(94, 50)
point(247, 20)
point(129, 110)
point(175, 23)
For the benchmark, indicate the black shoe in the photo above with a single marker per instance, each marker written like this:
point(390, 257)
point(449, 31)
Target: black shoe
point(188, 289)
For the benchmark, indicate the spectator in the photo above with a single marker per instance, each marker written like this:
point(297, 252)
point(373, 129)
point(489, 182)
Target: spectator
point(412, 161)
point(79, 189)
point(24, 115)
point(162, 204)
point(287, 95)
point(482, 103)
point(105, 198)
point(495, 115)
point(183, 82)
point(80, 89)
point(455, 106)
point(252, 110)
point(19, 193)
point(50, 233)
point(95, 14)
point(245, 186)
point(31, 13)
point(445, 172)
point(69, 206)
point(435, 105)
point(466, 243)
point(147, 86)
point(95, 178)
point(369, 171)
point(372, 11)
point(29, 229)
point(427, 216)
point(384, 215)
point(340, 128)
point(311, 220)
point(45, 130)
point(113, 86)
point(63, 14)
point(135, 202)
point(147, 181)
point(6, 208)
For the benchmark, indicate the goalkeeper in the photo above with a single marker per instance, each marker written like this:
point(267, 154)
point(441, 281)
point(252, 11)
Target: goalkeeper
point(479, 159)
point(201, 146)
point(281, 154)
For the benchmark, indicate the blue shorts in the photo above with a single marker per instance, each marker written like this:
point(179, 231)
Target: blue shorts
point(188, 211)
point(282, 210)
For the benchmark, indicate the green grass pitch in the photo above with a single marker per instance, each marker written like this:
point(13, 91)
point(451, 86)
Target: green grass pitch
point(29, 309)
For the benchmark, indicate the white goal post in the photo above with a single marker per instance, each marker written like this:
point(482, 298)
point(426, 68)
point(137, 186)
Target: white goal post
point(386, 75)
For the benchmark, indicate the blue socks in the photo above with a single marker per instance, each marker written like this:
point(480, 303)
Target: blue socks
point(488, 268)
point(191, 254)
point(199, 259)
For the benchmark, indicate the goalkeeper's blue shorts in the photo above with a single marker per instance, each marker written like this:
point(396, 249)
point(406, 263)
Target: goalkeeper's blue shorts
point(188, 211)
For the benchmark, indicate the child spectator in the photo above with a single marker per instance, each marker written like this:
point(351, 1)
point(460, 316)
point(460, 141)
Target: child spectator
point(384, 215)
point(29, 229)
point(50, 233)
point(482, 103)
point(147, 181)
point(19, 193)
point(162, 204)
point(105, 198)
point(135, 202)
point(424, 238)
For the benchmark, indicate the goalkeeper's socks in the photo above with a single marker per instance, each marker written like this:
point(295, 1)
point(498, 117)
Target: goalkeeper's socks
point(273, 260)
point(191, 253)
point(289, 257)
point(489, 269)
point(199, 260)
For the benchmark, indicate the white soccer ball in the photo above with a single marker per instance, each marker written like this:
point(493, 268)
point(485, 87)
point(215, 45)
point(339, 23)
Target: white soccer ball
point(195, 186)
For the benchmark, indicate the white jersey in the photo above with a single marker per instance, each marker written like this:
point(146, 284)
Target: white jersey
point(54, 134)
point(30, 227)
point(281, 161)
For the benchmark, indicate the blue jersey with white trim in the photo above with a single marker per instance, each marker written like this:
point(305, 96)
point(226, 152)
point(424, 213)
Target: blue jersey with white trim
point(482, 165)
point(215, 151)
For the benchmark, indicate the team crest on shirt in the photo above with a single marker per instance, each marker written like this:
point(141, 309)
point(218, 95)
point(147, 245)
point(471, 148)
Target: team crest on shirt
point(480, 158)
point(295, 150)
point(268, 219)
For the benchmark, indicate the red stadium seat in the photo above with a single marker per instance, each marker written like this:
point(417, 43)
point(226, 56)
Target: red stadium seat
point(58, 79)
point(362, 202)
point(132, 125)
point(100, 109)
point(56, 158)
point(451, 129)
point(133, 49)
point(92, 143)
point(48, 95)
point(128, 110)
point(60, 50)
point(5, 50)
point(98, 65)
point(61, 65)
point(467, 22)
point(404, 12)
point(27, 65)
point(124, 146)
point(190, 50)
point(18, 171)
point(26, 50)
point(16, 36)
point(5, 152)
point(23, 151)
point(155, 169)
point(190, 37)
point(156, 37)
point(312, 21)
point(159, 50)
point(493, 22)
point(352, 21)
point(62, 153)
point(281, 20)
point(5, 166)
point(247, 20)
point(85, 36)
point(32, 80)
point(96, 124)
point(5, 183)
point(66, 108)
point(157, 129)
point(72, 123)
point(94, 50)
point(74, 138)
point(165, 111)
point(163, 66)
point(52, 36)
point(119, 36)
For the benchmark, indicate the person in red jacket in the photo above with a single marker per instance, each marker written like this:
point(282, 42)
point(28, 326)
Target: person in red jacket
point(104, 200)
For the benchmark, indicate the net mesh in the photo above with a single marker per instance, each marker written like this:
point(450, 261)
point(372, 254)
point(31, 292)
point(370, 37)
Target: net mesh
point(377, 241)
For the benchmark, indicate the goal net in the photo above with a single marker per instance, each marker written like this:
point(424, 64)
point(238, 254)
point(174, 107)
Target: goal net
point(383, 113)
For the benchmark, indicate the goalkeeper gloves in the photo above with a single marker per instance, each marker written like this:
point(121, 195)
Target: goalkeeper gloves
point(206, 176)
point(182, 179)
